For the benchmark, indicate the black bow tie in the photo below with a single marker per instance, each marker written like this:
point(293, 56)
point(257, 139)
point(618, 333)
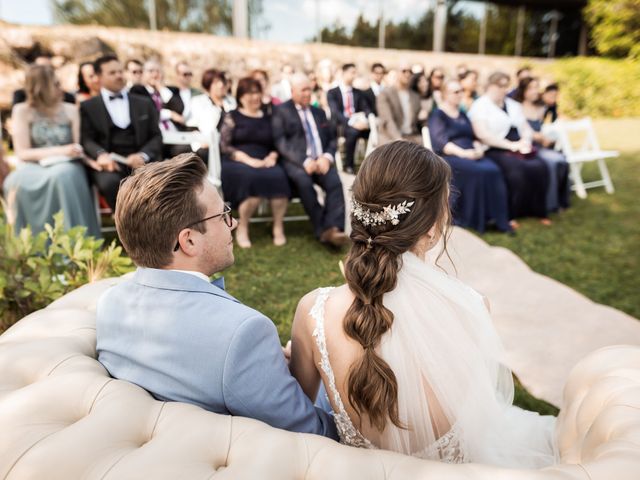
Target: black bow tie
point(117, 95)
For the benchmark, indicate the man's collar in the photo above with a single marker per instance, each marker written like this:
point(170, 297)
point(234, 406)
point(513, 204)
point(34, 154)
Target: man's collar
point(180, 280)
point(107, 93)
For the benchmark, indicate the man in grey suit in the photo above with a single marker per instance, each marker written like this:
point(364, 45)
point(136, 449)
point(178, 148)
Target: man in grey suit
point(398, 107)
point(175, 334)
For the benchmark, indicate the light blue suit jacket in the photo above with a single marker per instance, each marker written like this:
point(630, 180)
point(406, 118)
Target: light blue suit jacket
point(184, 339)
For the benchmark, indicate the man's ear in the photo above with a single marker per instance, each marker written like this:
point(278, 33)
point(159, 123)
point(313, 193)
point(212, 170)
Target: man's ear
point(187, 244)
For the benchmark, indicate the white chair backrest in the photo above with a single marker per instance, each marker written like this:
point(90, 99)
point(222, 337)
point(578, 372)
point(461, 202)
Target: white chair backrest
point(426, 138)
point(372, 141)
point(196, 139)
point(583, 127)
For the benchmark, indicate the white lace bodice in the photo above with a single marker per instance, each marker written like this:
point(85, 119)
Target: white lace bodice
point(447, 448)
point(349, 434)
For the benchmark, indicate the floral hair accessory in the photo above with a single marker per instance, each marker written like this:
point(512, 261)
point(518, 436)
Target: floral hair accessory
point(390, 213)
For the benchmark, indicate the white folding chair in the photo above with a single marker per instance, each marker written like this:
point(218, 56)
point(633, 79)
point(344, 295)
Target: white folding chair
point(426, 138)
point(196, 140)
point(372, 141)
point(589, 151)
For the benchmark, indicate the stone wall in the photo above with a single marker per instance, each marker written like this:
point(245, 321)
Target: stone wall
point(74, 44)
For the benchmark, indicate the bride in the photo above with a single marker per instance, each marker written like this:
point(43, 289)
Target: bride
point(408, 354)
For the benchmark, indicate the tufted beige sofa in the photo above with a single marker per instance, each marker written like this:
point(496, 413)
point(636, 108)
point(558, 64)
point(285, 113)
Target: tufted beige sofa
point(62, 417)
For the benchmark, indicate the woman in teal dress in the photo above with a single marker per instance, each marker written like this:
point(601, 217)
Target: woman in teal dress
point(51, 175)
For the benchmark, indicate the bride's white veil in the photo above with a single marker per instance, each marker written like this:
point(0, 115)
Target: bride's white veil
point(454, 392)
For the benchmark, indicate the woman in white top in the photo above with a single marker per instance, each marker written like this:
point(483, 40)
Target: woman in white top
point(498, 122)
point(408, 355)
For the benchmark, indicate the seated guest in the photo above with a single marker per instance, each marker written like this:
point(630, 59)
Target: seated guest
point(436, 79)
point(250, 169)
point(46, 129)
point(133, 72)
point(119, 131)
point(4, 168)
point(479, 195)
point(398, 108)
point(88, 82)
point(349, 111)
point(528, 94)
point(469, 82)
point(307, 143)
point(207, 111)
point(318, 96)
point(267, 100)
point(166, 99)
point(282, 89)
point(550, 101)
point(375, 85)
point(181, 103)
point(522, 73)
point(420, 85)
point(175, 334)
point(20, 95)
point(498, 121)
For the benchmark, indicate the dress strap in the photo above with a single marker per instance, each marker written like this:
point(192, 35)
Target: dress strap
point(348, 432)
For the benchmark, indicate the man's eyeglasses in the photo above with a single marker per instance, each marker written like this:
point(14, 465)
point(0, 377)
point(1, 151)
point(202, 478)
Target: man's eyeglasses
point(187, 74)
point(226, 216)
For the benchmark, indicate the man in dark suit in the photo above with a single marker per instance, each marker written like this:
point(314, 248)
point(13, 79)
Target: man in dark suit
point(349, 111)
point(119, 131)
point(307, 143)
point(375, 86)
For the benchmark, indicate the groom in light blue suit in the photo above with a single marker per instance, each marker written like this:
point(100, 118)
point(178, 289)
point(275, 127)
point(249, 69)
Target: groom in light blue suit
point(171, 331)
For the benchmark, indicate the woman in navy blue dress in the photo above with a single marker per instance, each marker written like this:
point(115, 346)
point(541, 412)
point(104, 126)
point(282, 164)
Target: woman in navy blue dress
point(479, 195)
point(250, 169)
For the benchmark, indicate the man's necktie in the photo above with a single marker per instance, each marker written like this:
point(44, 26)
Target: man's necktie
point(348, 108)
point(114, 96)
point(308, 132)
point(157, 100)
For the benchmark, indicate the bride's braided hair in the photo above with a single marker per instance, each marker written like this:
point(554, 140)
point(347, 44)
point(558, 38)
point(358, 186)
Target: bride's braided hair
point(397, 172)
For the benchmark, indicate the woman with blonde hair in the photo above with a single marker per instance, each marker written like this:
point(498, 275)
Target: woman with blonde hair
point(408, 354)
point(51, 175)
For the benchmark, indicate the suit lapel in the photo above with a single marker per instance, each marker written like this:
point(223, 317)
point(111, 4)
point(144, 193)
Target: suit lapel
point(134, 113)
point(103, 116)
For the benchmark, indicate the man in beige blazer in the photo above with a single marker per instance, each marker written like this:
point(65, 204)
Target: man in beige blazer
point(398, 108)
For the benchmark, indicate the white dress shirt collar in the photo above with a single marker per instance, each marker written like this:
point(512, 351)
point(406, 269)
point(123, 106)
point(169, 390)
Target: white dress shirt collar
point(195, 274)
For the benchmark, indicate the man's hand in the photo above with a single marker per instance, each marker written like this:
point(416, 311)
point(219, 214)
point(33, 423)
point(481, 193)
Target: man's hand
point(106, 163)
point(91, 163)
point(323, 165)
point(361, 125)
point(177, 118)
point(135, 160)
point(310, 166)
point(286, 350)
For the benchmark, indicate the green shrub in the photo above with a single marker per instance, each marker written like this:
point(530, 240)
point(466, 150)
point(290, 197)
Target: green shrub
point(597, 87)
point(36, 270)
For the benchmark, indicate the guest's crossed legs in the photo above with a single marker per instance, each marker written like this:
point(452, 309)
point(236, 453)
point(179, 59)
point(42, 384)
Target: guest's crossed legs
point(332, 214)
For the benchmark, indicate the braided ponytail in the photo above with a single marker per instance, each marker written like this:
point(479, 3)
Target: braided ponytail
point(394, 173)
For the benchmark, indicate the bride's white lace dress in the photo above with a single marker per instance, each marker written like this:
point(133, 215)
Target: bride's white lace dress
point(454, 392)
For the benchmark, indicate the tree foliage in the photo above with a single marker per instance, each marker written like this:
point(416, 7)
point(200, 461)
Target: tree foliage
point(615, 27)
point(206, 16)
point(463, 31)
